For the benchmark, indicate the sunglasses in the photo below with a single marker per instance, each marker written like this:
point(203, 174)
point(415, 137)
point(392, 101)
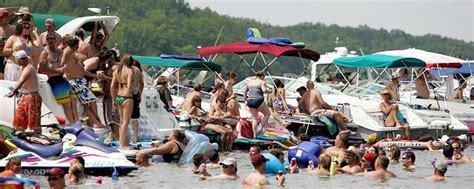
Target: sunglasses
point(404, 158)
point(226, 166)
point(51, 38)
point(25, 58)
point(26, 27)
point(50, 179)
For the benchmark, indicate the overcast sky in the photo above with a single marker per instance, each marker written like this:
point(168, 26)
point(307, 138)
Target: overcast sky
point(451, 18)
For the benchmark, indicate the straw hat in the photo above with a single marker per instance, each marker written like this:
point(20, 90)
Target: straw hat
point(23, 10)
point(386, 91)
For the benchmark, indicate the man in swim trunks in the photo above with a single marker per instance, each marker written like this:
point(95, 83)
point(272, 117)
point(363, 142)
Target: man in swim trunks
point(28, 111)
point(50, 26)
point(315, 105)
point(381, 172)
point(6, 30)
point(75, 73)
point(50, 64)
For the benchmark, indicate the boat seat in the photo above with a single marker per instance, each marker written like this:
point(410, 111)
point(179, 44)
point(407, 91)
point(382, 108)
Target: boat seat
point(42, 150)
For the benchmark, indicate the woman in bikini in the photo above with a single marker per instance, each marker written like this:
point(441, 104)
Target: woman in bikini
point(254, 99)
point(277, 103)
point(390, 111)
point(122, 79)
point(171, 151)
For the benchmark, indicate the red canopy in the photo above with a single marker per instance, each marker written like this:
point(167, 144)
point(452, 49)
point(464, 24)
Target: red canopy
point(246, 48)
point(444, 65)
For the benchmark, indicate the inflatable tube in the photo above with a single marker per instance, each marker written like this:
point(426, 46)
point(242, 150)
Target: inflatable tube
point(257, 40)
point(321, 140)
point(198, 143)
point(305, 152)
point(273, 165)
point(280, 41)
point(414, 144)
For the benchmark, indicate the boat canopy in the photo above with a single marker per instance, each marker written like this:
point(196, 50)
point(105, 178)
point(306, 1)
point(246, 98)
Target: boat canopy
point(59, 20)
point(247, 48)
point(178, 63)
point(378, 61)
point(432, 60)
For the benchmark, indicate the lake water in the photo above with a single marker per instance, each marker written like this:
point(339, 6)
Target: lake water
point(164, 175)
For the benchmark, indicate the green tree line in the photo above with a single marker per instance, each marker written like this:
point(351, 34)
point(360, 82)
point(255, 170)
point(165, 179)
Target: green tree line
point(150, 27)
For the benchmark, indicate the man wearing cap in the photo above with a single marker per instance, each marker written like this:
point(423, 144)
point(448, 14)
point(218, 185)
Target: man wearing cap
point(50, 26)
point(352, 158)
point(28, 112)
point(229, 171)
point(408, 161)
point(258, 178)
point(381, 172)
point(440, 168)
point(6, 30)
point(56, 178)
point(457, 155)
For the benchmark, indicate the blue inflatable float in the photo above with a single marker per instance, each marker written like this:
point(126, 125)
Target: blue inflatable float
point(273, 165)
point(305, 152)
point(324, 141)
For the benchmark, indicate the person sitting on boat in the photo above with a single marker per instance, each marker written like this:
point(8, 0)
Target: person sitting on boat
point(422, 90)
point(457, 155)
point(217, 91)
point(171, 151)
point(220, 121)
point(187, 104)
point(315, 106)
point(440, 168)
point(324, 164)
point(50, 26)
point(229, 171)
point(253, 96)
point(28, 111)
point(258, 177)
point(460, 89)
point(214, 159)
point(381, 172)
point(367, 162)
point(301, 108)
point(276, 104)
point(164, 92)
point(56, 178)
point(231, 80)
point(391, 112)
point(352, 158)
point(12, 168)
point(408, 161)
point(392, 86)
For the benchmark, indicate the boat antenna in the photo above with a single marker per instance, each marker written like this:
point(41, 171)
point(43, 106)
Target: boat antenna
point(108, 10)
point(217, 40)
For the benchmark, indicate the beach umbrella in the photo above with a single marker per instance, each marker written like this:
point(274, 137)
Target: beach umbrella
point(432, 59)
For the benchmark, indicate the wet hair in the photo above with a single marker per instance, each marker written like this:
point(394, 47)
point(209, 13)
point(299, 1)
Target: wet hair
point(231, 75)
point(256, 148)
point(197, 87)
point(304, 137)
point(195, 99)
point(301, 89)
point(179, 135)
point(324, 161)
point(80, 33)
point(81, 160)
point(383, 161)
point(213, 156)
point(394, 152)
point(162, 80)
point(77, 170)
point(448, 151)
point(411, 155)
point(12, 162)
point(260, 74)
point(276, 152)
point(198, 159)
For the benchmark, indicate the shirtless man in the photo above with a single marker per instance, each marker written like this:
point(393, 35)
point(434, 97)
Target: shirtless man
point(6, 30)
point(353, 161)
point(231, 79)
point(408, 161)
point(50, 28)
point(315, 105)
point(258, 177)
point(340, 145)
point(98, 40)
point(75, 73)
point(440, 168)
point(458, 156)
point(28, 112)
point(422, 90)
point(381, 172)
point(186, 105)
point(84, 48)
point(50, 64)
point(137, 90)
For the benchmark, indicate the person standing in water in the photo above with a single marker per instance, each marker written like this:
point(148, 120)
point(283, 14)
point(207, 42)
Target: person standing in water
point(50, 64)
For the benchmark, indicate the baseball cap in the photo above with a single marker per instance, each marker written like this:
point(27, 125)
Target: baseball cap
point(229, 161)
point(441, 165)
point(258, 159)
point(354, 151)
point(370, 157)
point(55, 172)
point(21, 54)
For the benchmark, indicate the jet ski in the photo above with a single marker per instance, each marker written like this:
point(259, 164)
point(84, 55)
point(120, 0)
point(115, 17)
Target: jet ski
point(100, 159)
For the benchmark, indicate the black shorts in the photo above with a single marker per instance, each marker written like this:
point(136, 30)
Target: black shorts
point(136, 106)
point(2, 64)
point(255, 103)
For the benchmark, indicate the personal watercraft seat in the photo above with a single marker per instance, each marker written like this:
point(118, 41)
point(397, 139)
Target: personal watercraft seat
point(87, 137)
point(42, 150)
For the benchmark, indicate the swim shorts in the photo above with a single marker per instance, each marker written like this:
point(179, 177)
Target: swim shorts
point(83, 93)
point(62, 90)
point(136, 106)
point(28, 112)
